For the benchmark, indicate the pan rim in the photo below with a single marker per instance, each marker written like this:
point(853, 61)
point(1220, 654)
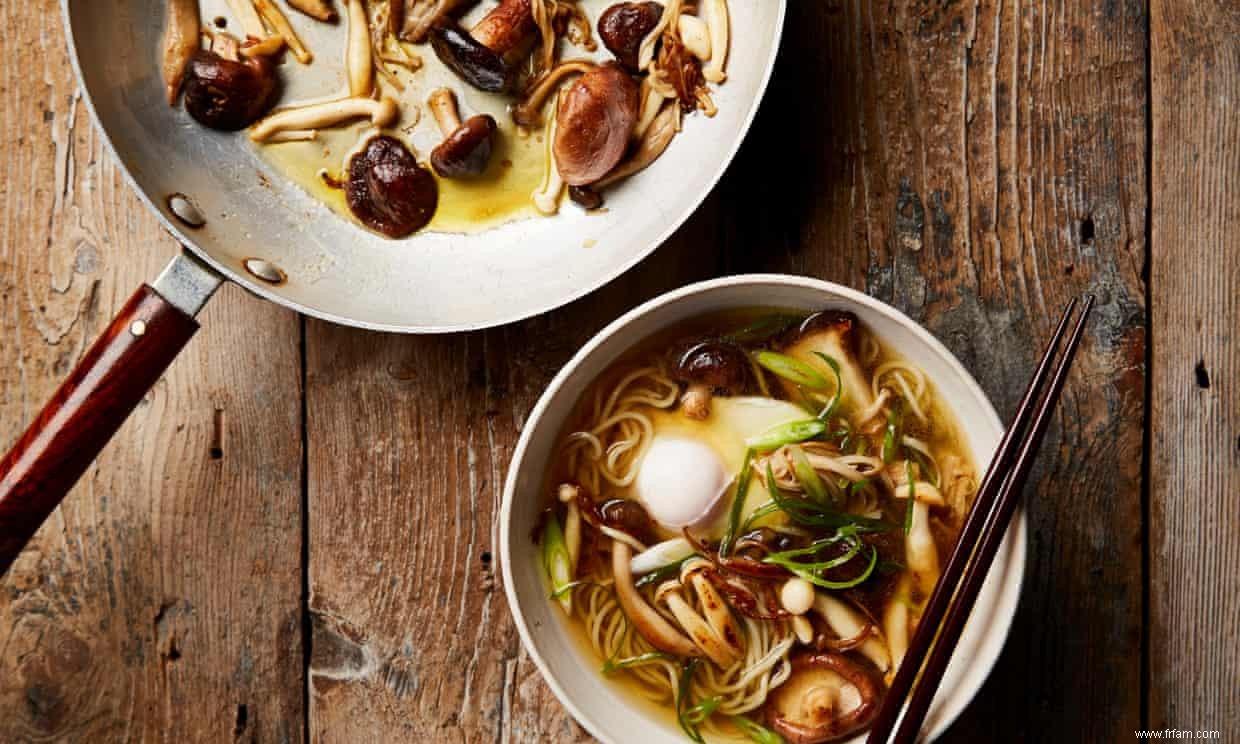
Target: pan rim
point(235, 276)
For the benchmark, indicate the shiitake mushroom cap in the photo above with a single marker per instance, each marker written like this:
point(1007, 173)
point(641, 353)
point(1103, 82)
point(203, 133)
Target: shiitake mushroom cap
point(228, 94)
point(719, 365)
point(388, 191)
point(467, 151)
point(477, 65)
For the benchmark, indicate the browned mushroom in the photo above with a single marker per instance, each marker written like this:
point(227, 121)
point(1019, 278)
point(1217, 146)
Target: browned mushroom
point(486, 55)
point(594, 124)
point(708, 368)
point(388, 191)
point(466, 149)
point(225, 90)
point(812, 707)
point(623, 26)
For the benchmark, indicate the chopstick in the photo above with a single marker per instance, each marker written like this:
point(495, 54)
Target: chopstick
point(952, 600)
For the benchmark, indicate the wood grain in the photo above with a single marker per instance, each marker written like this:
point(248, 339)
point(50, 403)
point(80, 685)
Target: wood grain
point(161, 602)
point(112, 377)
point(976, 164)
point(1194, 663)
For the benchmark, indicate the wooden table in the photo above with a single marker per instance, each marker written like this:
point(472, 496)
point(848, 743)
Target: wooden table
point(292, 538)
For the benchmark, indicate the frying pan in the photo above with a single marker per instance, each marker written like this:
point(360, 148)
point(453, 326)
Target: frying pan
point(239, 220)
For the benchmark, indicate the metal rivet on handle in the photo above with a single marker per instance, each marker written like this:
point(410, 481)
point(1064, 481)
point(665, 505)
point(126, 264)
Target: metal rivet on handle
point(138, 327)
point(185, 211)
point(265, 270)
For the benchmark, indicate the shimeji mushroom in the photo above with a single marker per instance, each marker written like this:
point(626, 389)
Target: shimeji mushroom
point(485, 55)
point(714, 14)
point(848, 623)
point(717, 613)
point(359, 57)
point(275, 18)
point(412, 19)
point(320, 10)
point(180, 43)
point(327, 114)
point(708, 368)
point(704, 637)
point(526, 112)
point(247, 16)
point(695, 35)
point(546, 197)
point(649, 624)
point(653, 143)
point(568, 494)
point(466, 149)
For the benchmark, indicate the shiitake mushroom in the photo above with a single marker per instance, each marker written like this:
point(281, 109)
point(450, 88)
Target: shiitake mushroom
point(709, 367)
point(227, 94)
point(388, 191)
point(624, 26)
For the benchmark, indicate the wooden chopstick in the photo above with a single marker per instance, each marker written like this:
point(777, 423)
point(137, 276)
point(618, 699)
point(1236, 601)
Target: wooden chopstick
point(953, 598)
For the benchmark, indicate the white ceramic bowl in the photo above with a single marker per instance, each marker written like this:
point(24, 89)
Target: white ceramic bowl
point(601, 705)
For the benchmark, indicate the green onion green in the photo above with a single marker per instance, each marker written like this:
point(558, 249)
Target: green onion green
point(912, 493)
point(789, 433)
point(807, 476)
point(763, 327)
point(614, 665)
point(683, 710)
point(659, 574)
point(792, 370)
point(839, 387)
point(769, 507)
point(738, 503)
point(571, 586)
point(756, 731)
point(556, 560)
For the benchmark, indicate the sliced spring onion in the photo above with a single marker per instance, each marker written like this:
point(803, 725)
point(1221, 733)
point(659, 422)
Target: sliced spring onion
point(738, 503)
point(769, 507)
point(756, 731)
point(682, 699)
point(570, 586)
point(764, 327)
point(807, 476)
point(818, 515)
point(789, 433)
point(614, 665)
point(912, 496)
point(839, 386)
point(812, 575)
point(792, 370)
point(659, 574)
point(657, 556)
point(783, 559)
point(556, 562)
point(889, 436)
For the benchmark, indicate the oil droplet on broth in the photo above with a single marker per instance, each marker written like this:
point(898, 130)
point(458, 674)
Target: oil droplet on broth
point(503, 194)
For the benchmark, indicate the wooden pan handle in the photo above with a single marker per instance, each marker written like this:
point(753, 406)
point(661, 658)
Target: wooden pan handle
point(85, 412)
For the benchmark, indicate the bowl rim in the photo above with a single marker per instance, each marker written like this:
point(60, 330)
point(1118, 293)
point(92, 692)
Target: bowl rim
point(1005, 603)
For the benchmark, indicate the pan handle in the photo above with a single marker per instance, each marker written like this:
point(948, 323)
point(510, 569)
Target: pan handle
point(99, 394)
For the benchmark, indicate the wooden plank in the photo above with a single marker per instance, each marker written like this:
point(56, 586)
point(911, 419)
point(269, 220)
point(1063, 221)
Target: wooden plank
point(1194, 635)
point(161, 602)
point(976, 164)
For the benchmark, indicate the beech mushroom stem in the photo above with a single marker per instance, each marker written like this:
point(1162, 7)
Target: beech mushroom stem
point(359, 60)
point(442, 102)
point(328, 114)
point(247, 16)
point(180, 44)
